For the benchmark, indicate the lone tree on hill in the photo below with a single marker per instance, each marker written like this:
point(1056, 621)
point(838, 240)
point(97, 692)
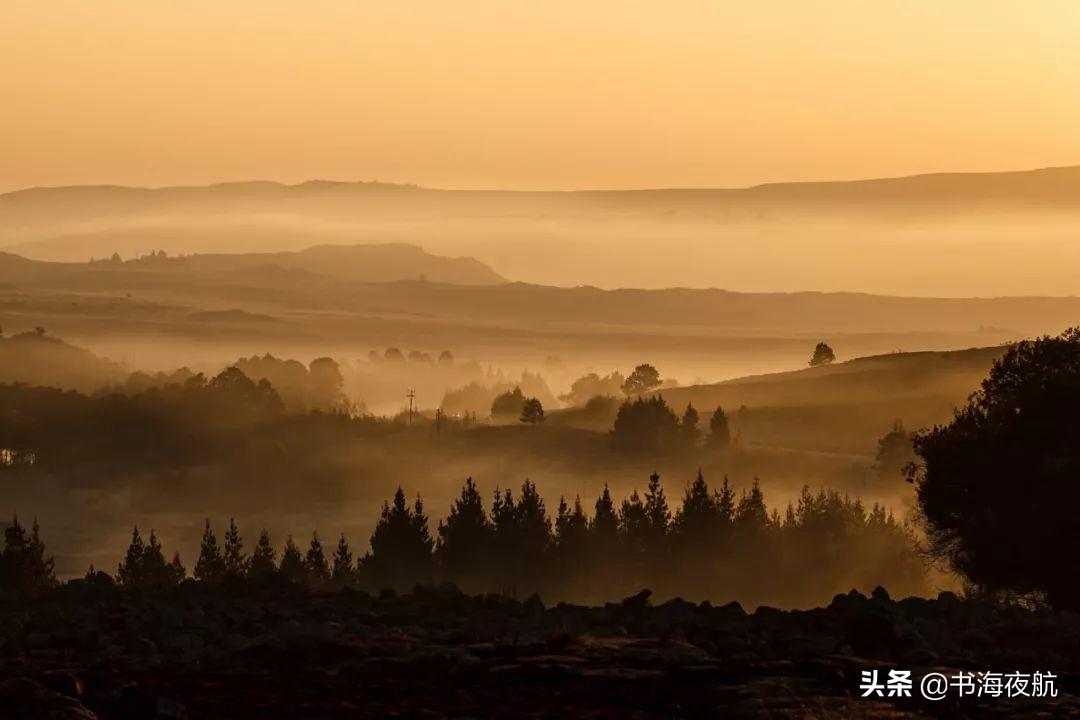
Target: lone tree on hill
point(998, 485)
point(533, 412)
point(644, 378)
point(823, 355)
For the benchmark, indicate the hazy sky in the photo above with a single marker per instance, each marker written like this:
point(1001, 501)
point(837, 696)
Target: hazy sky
point(552, 94)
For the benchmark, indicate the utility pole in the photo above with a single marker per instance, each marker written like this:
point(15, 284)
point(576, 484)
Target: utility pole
point(412, 396)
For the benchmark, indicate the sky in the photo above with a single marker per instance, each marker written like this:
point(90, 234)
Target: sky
point(525, 95)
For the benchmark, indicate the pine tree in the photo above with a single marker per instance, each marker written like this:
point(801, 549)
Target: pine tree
point(262, 565)
point(657, 514)
point(401, 546)
point(210, 566)
point(318, 571)
point(129, 573)
point(719, 432)
point(177, 570)
point(751, 514)
point(155, 572)
point(236, 564)
point(725, 503)
point(571, 527)
point(697, 516)
point(292, 564)
point(465, 537)
point(605, 522)
point(24, 562)
point(344, 571)
point(689, 426)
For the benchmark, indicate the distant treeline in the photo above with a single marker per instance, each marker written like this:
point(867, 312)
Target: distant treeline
point(716, 545)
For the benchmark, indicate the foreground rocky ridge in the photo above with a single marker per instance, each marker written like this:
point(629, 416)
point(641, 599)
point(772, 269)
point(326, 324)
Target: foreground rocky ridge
point(286, 652)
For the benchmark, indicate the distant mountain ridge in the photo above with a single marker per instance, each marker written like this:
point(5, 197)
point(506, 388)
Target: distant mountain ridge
point(943, 234)
point(1050, 184)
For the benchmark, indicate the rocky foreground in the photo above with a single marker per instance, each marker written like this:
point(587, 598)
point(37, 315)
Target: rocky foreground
point(285, 652)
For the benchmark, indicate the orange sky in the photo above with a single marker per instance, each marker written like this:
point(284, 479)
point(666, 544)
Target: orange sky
point(553, 94)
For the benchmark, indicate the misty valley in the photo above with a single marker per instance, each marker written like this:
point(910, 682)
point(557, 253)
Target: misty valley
point(371, 449)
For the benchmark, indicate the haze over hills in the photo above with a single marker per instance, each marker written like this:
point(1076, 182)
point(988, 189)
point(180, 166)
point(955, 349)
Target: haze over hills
point(951, 235)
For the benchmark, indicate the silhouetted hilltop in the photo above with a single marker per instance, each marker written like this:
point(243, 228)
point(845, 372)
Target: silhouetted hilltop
point(387, 262)
point(847, 406)
point(35, 358)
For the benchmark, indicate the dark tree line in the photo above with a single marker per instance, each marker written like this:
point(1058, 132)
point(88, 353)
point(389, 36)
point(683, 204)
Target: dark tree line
point(24, 568)
point(716, 544)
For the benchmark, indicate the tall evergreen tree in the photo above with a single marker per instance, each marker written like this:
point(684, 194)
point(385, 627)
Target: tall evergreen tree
point(401, 546)
point(130, 572)
point(605, 522)
point(263, 559)
point(177, 570)
point(465, 537)
point(318, 570)
point(657, 514)
point(210, 567)
point(719, 431)
point(236, 564)
point(697, 517)
point(344, 571)
point(292, 563)
point(571, 527)
point(155, 571)
point(689, 425)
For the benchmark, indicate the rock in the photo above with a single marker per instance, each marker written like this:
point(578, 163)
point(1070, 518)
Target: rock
point(25, 699)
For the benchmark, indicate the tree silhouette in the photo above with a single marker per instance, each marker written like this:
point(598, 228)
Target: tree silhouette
point(210, 566)
point(571, 528)
point(130, 570)
point(522, 536)
point(508, 404)
point(315, 565)
point(292, 563)
point(894, 452)
point(605, 521)
point(644, 378)
point(236, 564)
point(998, 487)
point(657, 513)
point(823, 355)
point(689, 426)
point(465, 537)
point(401, 546)
point(719, 432)
point(532, 412)
point(645, 425)
point(263, 559)
point(144, 565)
point(177, 571)
point(344, 571)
